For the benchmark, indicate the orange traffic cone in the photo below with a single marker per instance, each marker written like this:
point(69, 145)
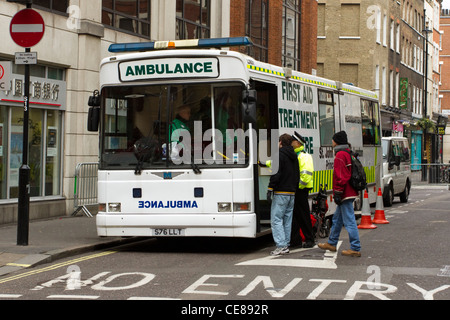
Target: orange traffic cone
point(366, 219)
point(379, 217)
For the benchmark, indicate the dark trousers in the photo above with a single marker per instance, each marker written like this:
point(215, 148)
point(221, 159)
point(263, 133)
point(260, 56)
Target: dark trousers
point(301, 218)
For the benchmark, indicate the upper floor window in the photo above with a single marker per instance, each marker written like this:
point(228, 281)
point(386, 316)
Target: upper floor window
point(131, 16)
point(291, 32)
point(193, 19)
point(56, 6)
point(256, 27)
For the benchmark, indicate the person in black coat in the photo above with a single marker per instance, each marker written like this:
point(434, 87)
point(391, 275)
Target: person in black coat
point(282, 186)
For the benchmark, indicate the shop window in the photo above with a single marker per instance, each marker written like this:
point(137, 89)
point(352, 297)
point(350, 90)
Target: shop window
point(44, 163)
point(3, 151)
point(52, 172)
point(44, 133)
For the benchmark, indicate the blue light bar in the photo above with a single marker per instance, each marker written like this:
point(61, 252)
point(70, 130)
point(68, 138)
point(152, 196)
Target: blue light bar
point(193, 43)
point(224, 42)
point(131, 46)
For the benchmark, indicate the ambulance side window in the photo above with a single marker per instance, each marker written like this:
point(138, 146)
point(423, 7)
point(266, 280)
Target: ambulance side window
point(326, 117)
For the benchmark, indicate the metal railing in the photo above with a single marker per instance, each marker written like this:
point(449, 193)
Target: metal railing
point(437, 173)
point(85, 187)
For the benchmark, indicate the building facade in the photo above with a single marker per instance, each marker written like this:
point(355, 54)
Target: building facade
point(381, 46)
point(444, 81)
point(77, 36)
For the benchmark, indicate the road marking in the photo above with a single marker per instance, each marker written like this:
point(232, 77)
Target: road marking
point(328, 262)
point(151, 298)
point(10, 296)
point(56, 296)
point(56, 266)
point(397, 211)
point(18, 265)
point(444, 272)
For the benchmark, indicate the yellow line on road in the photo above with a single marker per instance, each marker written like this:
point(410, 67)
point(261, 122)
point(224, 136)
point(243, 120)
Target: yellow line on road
point(56, 266)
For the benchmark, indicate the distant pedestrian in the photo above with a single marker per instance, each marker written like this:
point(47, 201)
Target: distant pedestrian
point(344, 195)
point(302, 213)
point(282, 187)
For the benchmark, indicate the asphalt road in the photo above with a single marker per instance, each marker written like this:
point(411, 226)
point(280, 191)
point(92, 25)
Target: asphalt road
point(407, 259)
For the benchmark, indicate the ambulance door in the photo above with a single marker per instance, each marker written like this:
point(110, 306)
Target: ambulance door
point(266, 120)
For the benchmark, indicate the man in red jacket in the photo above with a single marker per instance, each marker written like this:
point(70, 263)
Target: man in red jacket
point(344, 195)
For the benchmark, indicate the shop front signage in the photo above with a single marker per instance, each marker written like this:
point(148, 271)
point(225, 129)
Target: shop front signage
point(44, 93)
point(5, 75)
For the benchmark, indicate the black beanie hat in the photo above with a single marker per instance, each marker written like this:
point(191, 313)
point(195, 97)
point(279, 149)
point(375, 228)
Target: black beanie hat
point(340, 137)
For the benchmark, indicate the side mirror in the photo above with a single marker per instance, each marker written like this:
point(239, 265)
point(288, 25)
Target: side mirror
point(249, 106)
point(94, 100)
point(94, 111)
point(93, 119)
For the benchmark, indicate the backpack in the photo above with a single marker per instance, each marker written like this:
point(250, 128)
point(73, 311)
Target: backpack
point(358, 179)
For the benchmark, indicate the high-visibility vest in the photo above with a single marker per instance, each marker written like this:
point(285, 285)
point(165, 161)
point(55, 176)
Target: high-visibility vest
point(306, 166)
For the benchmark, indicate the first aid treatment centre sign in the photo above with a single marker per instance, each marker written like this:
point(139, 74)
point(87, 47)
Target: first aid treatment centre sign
point(169, 68)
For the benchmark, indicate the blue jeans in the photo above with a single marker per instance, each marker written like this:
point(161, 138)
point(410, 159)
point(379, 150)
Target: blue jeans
point(281, 219)
point(345, 216)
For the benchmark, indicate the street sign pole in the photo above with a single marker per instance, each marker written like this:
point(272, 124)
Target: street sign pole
point(23, 219)
point(26, 29)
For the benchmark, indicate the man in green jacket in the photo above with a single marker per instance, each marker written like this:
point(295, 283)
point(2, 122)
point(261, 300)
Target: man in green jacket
point(178, 125)
point(302, 213)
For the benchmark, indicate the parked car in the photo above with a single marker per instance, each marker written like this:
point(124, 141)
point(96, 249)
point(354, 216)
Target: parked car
point(396, 169)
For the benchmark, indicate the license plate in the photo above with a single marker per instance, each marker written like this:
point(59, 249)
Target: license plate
point(168, 232)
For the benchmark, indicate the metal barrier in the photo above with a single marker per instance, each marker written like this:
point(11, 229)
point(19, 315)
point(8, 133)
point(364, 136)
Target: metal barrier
point(438, 173)
point(85, 187)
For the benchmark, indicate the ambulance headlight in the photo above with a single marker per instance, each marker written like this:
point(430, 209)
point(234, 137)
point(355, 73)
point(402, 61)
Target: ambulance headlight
point(224, 207)
point(114, 207)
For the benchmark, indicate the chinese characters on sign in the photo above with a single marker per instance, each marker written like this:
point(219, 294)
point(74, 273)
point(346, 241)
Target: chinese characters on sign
point(38, 90)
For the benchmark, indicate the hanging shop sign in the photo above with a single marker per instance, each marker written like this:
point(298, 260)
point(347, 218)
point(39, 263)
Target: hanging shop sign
point(403, 94)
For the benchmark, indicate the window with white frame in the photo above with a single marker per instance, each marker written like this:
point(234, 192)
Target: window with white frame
point(391, 88)
point(378, 26)
point(397, 39)
point(383, 86)
point(397, 89)
point(392, 38)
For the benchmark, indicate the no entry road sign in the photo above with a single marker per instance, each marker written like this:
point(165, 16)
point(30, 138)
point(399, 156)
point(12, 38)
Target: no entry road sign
point(27, 28)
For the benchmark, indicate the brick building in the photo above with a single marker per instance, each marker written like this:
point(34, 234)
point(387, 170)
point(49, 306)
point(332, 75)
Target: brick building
point(290, 25)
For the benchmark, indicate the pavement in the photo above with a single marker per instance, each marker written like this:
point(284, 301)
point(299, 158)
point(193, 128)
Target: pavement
point(52, 239)
point(62, 237)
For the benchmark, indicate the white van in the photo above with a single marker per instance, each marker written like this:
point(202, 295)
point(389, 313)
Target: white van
point(396, 174)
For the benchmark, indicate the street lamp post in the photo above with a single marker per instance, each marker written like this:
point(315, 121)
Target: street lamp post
point(426, 31)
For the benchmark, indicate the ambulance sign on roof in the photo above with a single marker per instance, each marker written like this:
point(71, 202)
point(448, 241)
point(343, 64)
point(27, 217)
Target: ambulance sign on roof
point(169, 68)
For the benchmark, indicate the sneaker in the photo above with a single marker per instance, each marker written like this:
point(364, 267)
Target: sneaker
point(351, 253)
point(327, 246)
point(280, 251)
